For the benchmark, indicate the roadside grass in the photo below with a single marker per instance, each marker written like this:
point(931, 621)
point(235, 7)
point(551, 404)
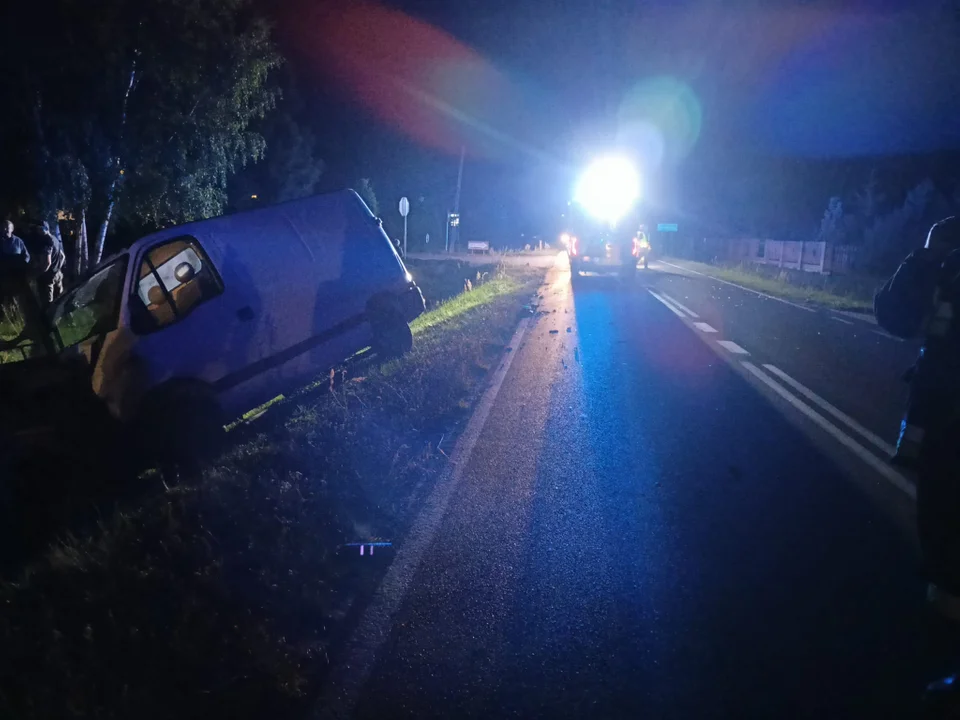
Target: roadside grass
point(457, 306)
point(440, 280)
point(859, 300)
point(227, 597)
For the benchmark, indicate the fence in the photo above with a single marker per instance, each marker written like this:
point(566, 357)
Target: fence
point(818, 257)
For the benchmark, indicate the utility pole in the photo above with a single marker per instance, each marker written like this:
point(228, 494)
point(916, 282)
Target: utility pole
point(456, 198)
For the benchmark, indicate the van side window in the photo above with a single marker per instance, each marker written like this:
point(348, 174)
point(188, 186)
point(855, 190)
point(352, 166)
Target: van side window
point(175, 278)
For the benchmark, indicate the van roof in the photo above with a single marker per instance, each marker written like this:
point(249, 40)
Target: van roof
point(316, 202)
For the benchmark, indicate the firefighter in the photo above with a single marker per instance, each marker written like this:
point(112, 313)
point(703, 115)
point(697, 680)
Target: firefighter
point(921, 300)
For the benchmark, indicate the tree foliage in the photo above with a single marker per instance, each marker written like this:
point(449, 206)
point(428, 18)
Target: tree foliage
point(364, 189)
point(290, 169)
point(831, 227)
point(142, 111)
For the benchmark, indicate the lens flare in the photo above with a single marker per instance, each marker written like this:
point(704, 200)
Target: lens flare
point(660, 119)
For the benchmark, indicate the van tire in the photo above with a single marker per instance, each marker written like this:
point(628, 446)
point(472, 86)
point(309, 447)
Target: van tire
point(181, 427)
point(392, 337)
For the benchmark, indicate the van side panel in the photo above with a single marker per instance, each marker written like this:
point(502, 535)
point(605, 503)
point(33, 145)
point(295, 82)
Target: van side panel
point(296, 277)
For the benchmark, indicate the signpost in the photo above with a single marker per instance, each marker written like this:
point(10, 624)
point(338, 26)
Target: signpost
point(404, 211)
point(478, 246)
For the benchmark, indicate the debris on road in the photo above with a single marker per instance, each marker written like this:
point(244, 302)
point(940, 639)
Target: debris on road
point(554, 332)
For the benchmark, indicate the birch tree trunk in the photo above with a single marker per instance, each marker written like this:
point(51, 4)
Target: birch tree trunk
point(80, 257)
point(117, 168)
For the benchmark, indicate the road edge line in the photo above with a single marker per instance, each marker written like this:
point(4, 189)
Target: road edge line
point(668, 305)
point(341, 690)
point(683, 307)
point(839, 414)
point(742, 287)
point(888, 473)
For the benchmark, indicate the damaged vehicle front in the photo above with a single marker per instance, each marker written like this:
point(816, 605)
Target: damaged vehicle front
point(49, 413)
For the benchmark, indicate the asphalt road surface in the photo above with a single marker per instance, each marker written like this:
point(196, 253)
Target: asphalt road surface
point(661, 518)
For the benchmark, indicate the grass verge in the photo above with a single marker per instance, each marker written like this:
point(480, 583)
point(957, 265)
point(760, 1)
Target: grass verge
point(858, 298)
point(228, 597)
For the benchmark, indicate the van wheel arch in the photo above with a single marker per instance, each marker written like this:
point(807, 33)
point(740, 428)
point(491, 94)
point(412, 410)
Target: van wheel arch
point(180, 423)
point(391, 333)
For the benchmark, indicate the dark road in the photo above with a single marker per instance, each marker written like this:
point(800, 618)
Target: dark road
point(647, 527)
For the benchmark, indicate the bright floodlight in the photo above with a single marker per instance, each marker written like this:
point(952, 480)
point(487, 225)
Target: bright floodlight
point(609, 188)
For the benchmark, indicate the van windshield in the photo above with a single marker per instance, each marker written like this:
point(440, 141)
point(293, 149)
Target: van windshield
point(92, 308)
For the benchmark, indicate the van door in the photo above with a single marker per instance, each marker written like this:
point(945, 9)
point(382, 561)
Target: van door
point(190, 322)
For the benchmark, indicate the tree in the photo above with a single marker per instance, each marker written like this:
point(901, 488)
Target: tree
point(142, 111)
point(870, 199)
point(831, 227)
point(365, 190)
point(289, 170)
point(891, 236)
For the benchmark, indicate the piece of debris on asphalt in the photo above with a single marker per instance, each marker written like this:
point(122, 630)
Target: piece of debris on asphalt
point(509, 349)
point(576, 354)
point(367, 547)
point(564, 363)
point(568, 329)
point(554, 332)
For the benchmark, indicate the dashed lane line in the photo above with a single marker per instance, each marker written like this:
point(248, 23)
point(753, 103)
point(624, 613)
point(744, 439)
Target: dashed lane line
point(880, 466)
point(732, 347)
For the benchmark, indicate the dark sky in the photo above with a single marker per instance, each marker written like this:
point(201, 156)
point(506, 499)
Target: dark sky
point(533, 89)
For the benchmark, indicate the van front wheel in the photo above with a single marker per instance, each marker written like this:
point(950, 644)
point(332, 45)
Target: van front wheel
point(391, 333)
point(181, 427)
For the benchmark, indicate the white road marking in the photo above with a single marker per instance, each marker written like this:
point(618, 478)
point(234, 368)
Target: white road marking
point(883, 468)
point(680, 305)
point(841, 320)
point(675, 311)
point(704, 327)
point(342, 688)
point(755, 292)
point(862, 316)
point(876, 440)
point(732, 347)
point(887, 335)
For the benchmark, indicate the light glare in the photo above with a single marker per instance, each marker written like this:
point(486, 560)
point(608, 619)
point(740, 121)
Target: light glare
point(608, 188)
